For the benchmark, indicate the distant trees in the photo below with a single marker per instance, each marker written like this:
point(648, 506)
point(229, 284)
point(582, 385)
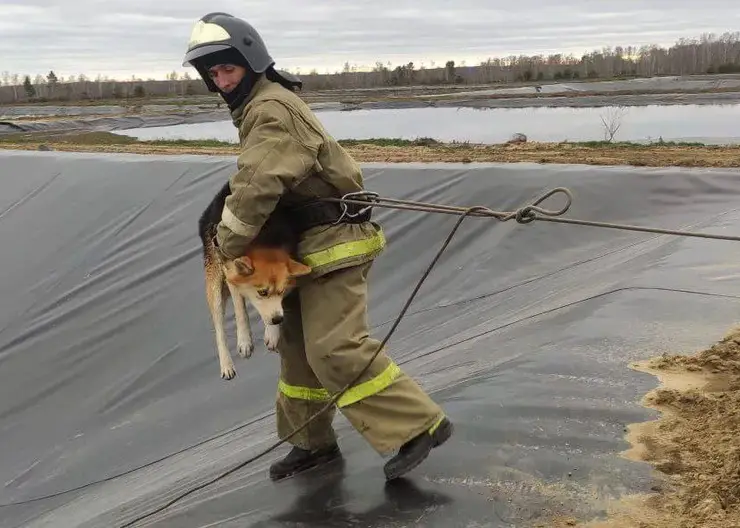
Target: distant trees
point(28, 87)
point(52, 81)
point(708, 54)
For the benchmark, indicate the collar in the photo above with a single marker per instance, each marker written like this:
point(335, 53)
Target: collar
point(237, 114)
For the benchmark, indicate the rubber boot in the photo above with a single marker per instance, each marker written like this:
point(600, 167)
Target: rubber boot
point(299, 460)
point(416, 450)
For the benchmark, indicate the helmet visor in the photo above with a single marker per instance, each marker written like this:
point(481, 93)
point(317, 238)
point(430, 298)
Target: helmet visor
point(202, 51)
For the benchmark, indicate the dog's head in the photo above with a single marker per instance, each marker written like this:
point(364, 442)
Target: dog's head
point(265, 276)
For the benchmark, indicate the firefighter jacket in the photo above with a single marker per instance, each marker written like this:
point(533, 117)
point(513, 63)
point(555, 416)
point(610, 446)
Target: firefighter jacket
point(287, 155)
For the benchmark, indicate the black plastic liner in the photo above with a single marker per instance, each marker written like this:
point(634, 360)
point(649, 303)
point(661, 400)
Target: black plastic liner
point(108, 124)
point(111, 402)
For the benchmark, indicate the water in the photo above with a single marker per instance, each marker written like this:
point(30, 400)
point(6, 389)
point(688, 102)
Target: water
point(716, 124)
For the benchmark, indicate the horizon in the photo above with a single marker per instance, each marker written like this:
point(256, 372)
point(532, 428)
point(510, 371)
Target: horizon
point(120, 39)
point(474, 61)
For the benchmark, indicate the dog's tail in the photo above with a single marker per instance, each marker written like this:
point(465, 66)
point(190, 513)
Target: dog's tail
point(208, 223)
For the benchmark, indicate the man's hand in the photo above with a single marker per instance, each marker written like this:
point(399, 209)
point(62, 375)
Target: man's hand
point(229, 244)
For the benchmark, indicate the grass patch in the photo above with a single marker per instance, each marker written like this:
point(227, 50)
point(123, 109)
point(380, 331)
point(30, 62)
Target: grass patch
point(391, 142)
point(72, 138)
point(431, 142)
point(634, 145)
point(99, 138)
point(190, 143)
point(110, 138)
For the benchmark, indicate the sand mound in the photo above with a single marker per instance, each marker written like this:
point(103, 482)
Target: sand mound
point(695, 445)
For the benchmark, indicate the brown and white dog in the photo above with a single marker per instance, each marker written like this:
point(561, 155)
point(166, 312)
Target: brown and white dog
point(263, 275)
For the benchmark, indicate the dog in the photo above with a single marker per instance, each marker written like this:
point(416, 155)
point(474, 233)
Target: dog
point(263, 276)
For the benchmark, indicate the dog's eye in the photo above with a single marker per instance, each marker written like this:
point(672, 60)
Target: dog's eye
point(263, 292)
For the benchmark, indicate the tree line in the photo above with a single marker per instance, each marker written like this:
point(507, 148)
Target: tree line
point(708, 54)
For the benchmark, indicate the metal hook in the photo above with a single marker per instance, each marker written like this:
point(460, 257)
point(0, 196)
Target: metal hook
point(357, 194)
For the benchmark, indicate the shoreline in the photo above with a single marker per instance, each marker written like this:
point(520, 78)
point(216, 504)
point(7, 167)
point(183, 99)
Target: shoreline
point(57, 120)
point(668, 90)
point(389, 150)
point(586, 99)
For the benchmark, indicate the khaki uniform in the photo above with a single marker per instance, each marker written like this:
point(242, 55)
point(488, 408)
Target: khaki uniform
point(325, 342)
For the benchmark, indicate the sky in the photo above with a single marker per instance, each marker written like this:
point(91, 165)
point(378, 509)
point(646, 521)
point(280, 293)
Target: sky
point(147, 39)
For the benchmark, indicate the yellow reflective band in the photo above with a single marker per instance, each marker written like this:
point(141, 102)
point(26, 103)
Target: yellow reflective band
point(346, 250)
point(370, 387)
point(303, 393)
point(436, 424)
point(353, 394)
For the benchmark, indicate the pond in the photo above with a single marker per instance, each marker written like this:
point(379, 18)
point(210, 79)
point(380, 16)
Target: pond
point(715, 124)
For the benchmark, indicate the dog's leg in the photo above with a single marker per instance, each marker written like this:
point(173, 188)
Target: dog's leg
point(272, 336)
point(215, 293)
point(244, 340)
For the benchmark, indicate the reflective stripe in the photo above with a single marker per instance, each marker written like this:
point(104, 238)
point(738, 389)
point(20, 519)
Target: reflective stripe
point(436, 424)
point(353, 394)
point(231, 221)
point(346, 250)
point(303, 393)
point(370, 387)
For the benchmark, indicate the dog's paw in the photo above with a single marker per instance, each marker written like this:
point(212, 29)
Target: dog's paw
point(228, 372)
point(245, 348)
point(272, 336)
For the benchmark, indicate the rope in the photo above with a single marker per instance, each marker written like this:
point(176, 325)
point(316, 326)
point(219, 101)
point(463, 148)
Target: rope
point(523, 215)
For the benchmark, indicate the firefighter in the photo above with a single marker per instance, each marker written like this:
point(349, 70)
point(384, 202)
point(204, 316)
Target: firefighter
point(287, 156)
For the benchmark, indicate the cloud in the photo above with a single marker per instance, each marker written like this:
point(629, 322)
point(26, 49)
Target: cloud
point(147, 39)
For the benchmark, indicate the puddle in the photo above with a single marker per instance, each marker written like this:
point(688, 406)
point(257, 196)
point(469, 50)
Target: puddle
point(715, 124)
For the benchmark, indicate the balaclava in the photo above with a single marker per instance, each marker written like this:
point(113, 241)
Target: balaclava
point(230, 56)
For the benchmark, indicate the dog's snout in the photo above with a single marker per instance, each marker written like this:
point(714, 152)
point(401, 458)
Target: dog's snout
point(277, 319)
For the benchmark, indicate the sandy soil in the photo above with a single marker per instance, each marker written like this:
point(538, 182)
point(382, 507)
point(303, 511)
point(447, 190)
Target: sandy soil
point(694, 445)
point(616, 154)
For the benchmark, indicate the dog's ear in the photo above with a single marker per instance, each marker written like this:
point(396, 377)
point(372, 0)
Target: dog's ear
point(244, 266)
point(296, 269)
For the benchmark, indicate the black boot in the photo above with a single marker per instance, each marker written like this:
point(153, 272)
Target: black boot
point(415, 451)
point(299, 460)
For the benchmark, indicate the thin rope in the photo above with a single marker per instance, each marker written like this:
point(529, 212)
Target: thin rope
point(523, 215)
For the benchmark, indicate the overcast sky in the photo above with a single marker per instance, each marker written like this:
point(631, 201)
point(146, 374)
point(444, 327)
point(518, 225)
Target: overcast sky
point(146, 38)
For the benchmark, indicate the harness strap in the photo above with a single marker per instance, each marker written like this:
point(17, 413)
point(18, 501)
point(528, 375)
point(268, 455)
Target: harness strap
point(312, 214)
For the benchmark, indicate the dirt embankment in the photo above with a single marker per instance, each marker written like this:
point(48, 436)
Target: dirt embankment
point(397, 151)
point(582, 153)
point(694, 445)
